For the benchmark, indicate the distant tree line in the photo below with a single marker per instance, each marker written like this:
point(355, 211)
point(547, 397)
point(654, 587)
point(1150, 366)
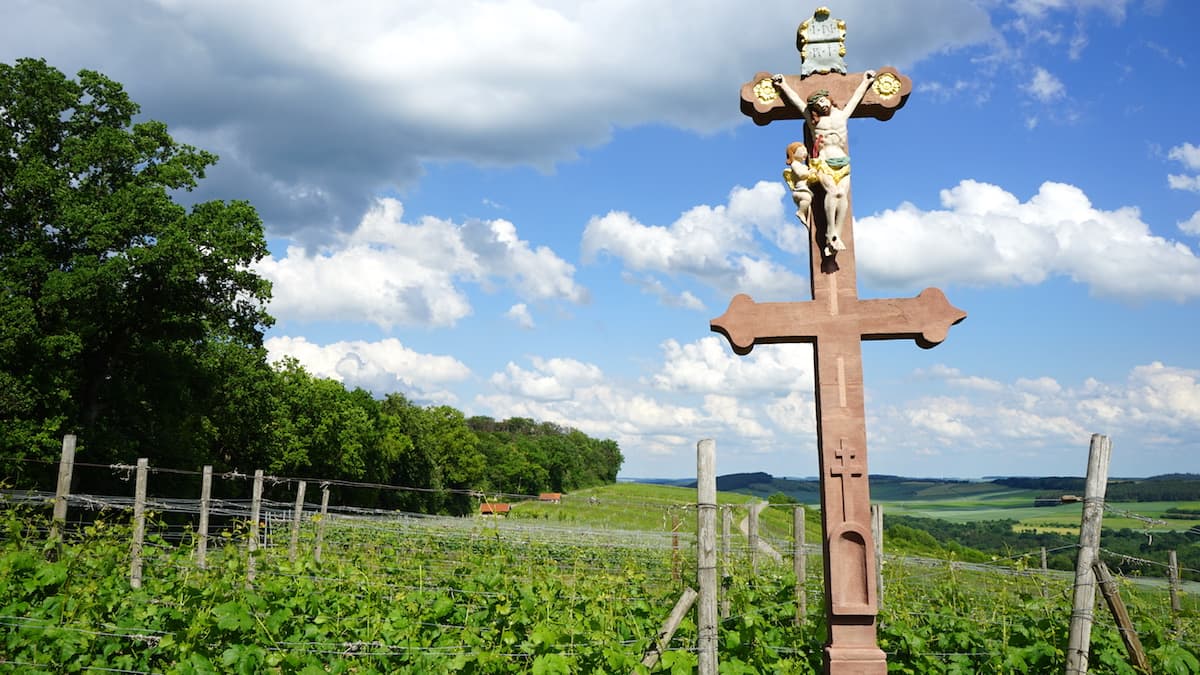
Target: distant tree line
point(528, 457)
point(1165, 488)
point(986, 540)
point(137, 324)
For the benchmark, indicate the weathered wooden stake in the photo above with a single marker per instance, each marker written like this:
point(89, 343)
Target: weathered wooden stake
point(62, 494)
point(752, 535)
point(139, 523)
point(1043, 558)
point(727, 563)
point(663, 638)
point(706, 555)
point(1173, 581)
point(255, 509)
point(799, 564)
point(297, 513)
point(1128, 634)
point(675, 546)
point(726, 530)
point(877, 533)
point(1084, 596)
point(321, 523)
point(202, 528)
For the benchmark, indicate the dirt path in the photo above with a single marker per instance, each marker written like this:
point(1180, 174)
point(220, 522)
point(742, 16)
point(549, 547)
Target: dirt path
point(763, 546)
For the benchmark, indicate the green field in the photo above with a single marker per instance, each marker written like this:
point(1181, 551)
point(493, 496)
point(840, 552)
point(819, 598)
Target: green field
point(640, 506)
point(1064, 519)
point(976, 501)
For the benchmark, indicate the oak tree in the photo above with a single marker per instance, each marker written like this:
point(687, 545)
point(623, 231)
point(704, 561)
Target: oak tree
point(118, 306)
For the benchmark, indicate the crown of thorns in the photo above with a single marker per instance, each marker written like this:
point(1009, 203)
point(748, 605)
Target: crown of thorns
point(817, 95)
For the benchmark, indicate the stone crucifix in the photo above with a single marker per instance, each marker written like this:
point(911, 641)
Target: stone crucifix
point(835, 322)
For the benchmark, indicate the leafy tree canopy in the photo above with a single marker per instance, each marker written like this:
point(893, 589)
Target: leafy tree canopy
point(116, 299)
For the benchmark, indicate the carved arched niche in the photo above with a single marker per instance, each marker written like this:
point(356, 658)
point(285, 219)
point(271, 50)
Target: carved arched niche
point(852, 577)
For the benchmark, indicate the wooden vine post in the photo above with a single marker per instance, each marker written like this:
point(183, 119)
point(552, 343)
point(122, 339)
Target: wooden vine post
point(799, 564)
point(297, 514)
point(706, 555)
point(139, 523)
point(663, 638)
point(202, 528)
point(727, 562)
point(1084, 596)
point(255, 510)
point(877, 534)
point(1108, 587)
point(752, 536)
point(1173, 582)
point(321, 523)
point(675, 573)
point(62, 494)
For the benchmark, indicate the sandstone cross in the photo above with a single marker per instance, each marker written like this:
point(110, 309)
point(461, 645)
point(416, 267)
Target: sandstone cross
point(834, 322)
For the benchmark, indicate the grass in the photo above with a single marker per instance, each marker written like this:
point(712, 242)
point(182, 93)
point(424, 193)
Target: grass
point(650, 507)
point(1062, 519)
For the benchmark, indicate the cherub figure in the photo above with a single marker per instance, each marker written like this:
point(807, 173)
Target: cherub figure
point(800, 178)
point(831, 159)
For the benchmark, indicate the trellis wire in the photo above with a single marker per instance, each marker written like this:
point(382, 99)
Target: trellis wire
point(426, 527)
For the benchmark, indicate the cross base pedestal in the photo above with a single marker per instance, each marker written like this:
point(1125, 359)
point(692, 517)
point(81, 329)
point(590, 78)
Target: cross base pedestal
point(855, 661)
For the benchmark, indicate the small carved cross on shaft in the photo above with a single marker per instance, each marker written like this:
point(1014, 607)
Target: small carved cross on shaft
point(835, 322)
point(849, 465)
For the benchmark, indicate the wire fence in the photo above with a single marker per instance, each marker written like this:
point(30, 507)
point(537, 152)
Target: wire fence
point(275, 514)
point(437, 549)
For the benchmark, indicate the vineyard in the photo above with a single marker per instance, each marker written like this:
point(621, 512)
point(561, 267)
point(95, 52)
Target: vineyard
point(578, 587)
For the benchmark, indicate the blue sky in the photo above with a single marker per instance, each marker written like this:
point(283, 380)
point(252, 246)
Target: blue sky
point(533, 208)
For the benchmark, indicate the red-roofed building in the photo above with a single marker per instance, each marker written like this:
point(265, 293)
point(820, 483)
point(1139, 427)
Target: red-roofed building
point(494, 509)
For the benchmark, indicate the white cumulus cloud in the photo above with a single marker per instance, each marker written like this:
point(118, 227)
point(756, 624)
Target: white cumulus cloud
point(643, 422)
point(795, 413)
point(739, 419)
point(1186, 153)
point(1154, 401)
point(316, 107)
point(389, 272)
point(1183, 182)
point(712, 244)
point(1045, 87)
point(1165, 394)
point(655, 287)
point(985, 235)
point(709, 366)
point(520, 314)
point(550, 380)
point(1039, 8)
point(1191, 225)
point(955, 377)
point(381, 367)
